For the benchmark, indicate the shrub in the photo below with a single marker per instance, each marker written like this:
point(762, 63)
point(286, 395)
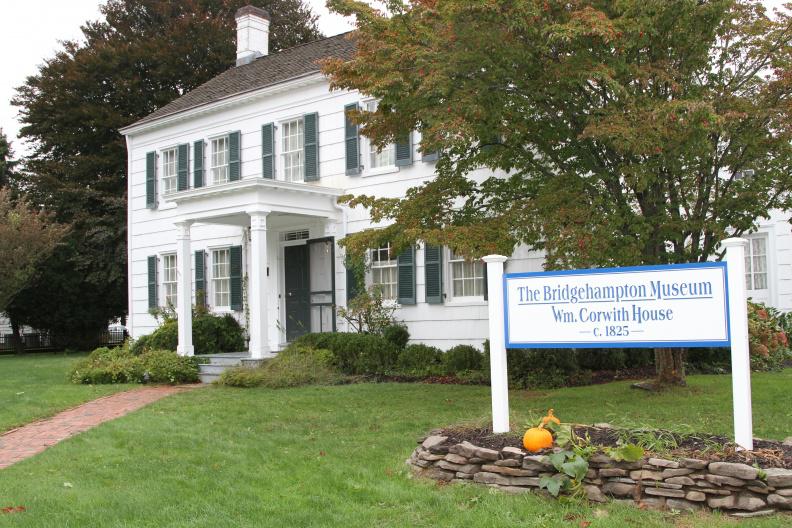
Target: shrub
point(165, 366)
point(420, 360)
point(767, 340)
point(462, 358)
point(397, 334)
point(120, 365)
point(366, 354)
point(295, 366)
point(211, 334)
point(543, 368)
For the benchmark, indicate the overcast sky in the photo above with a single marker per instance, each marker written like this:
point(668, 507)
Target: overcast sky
point(31, 29)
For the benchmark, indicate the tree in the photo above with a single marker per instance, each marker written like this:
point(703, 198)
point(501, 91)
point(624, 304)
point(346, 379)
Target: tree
point(144, 54)
point(7, 162)
point(618, 132)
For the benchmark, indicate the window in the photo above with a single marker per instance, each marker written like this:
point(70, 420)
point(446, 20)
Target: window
point(169, 171)
point(293, 143)
point(219, 168)
point(756, 263)
point(380, 158)
point(467, 276)
point(221, 277)
point(384, 271)
point(169, 279)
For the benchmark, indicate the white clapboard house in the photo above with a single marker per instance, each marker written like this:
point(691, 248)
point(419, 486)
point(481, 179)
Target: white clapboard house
point(232, 203)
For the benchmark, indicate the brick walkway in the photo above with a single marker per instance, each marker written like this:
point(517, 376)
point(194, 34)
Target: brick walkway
point(31, 439)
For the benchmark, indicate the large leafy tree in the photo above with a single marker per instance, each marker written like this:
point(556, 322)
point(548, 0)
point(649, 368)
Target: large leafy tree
point(7, 161)
point(142, 55)
point(617, 132)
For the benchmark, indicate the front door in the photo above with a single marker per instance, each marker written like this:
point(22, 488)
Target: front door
point(298, 307)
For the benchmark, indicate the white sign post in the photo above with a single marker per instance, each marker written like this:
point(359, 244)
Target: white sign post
point(682, 305)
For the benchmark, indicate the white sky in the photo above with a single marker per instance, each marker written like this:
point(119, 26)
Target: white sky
point(30, 31)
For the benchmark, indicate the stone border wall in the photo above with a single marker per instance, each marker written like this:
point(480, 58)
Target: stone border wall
point(684, 484)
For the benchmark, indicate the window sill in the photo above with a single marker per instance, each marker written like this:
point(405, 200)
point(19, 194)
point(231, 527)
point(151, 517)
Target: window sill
point(379, 171)
point(165, 204)
point(466, 301)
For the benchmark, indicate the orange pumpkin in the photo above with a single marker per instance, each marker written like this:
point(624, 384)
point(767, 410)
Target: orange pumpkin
point(537, 438)
point(550, 418)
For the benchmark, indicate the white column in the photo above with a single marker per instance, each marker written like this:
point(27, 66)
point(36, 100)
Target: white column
point(257, 294)
point(184, 288)
point(740, 359)
point(497, 338)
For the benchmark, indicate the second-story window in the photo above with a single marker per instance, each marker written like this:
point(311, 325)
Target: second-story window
point(378, 158)
point(384, 271)
point(168, 171)
point(219, 168)
point(293, 143)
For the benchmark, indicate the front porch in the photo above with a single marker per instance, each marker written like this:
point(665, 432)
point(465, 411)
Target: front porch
point(288, 233)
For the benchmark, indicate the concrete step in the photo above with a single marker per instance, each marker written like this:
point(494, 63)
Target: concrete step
point(208, 378)
point(225, 359)
point(213, 369)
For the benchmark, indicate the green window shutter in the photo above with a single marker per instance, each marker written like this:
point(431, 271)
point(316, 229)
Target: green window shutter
point(183, 167)
point(236, 277)
point(268, 151)
point(153, 301)
point(433, 268)
point(311, 147)
point(200, 278)
point(151, 180)
point(406, 276)
point(198, 164)
point(352, 142)
point(234, 165)
point(404, 151)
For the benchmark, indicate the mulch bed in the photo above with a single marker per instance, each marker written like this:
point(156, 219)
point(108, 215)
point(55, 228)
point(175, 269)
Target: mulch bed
point(766, 453)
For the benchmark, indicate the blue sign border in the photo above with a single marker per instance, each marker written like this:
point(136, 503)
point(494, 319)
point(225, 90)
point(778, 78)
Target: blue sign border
point(619, 344)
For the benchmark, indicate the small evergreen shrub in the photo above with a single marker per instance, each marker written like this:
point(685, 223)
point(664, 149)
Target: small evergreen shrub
point(357, 354)
point(397, 334)
point(295, 366)
point(165, 366)
point(119, 365)
point(462, 358)
point(420, 360)
point(212, 334)
point(542, 368)
point(165, 337)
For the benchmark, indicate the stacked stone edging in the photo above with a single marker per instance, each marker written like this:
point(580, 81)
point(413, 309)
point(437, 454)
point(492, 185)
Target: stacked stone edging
point(682, 484)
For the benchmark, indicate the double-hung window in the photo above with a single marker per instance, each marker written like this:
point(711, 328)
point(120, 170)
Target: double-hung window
point(384, 271)
point(169, 279)
point(221, 277)
point(379, 158)
point(169, 171)
point(756, 263)
point(219, 167)
point(293, 142)
point(467, 276)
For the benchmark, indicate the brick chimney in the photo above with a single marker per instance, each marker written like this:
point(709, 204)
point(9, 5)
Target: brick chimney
point(252, 34)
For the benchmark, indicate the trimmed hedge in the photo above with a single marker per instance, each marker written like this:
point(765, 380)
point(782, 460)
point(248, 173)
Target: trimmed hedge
point(462, 358)
point(420, 360)
point(212, 334)
point(357, 354)
point(397, 334)
point(119, 365)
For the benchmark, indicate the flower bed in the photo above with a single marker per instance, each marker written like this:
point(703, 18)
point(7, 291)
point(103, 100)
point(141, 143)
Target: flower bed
point(673, 481)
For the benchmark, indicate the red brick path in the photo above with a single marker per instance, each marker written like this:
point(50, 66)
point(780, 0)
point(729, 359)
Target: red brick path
point(28, 440)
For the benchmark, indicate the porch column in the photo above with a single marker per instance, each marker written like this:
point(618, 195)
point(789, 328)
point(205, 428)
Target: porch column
point(184, 288)
point(257, 294)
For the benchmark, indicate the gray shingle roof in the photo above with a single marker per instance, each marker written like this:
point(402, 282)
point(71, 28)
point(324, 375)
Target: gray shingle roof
point(265, 71)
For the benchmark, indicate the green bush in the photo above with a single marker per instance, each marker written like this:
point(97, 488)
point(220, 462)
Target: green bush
point(120, 365)
point(420, 360)
point(462, 358)
point(767, 341)
point(212, 334)
point(361, 354)
point(397, 334)
point(295, 366)
point(541, 368)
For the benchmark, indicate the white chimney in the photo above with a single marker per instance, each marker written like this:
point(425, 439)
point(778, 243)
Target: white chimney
point(252, 34)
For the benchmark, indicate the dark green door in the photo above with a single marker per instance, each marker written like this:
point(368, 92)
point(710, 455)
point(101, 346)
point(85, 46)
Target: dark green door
point(298, 289)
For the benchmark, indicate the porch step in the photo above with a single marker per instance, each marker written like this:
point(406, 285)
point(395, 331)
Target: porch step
point(218, 363)
point(208, 378)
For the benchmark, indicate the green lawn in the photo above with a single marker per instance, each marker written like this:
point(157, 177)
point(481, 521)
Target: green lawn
point(35, 386)
point(334, 456)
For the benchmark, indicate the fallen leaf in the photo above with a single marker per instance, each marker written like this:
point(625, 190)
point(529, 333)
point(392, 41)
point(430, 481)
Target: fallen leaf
point(584, 524)
point(322, 453)
point(68, 485)
point(599, 513)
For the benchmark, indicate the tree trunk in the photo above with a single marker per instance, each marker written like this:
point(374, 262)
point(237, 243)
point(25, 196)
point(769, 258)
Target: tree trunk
point(670, 366)
point(16, 338)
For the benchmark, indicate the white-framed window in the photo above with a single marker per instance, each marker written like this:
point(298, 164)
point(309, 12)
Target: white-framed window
point(169, 171)
point(293, 143)
point(379, 158)
point(756, 277)
point(467, 276)
point(384, 271)
point(169, 279)
point(221, 277)
point(219, 165)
